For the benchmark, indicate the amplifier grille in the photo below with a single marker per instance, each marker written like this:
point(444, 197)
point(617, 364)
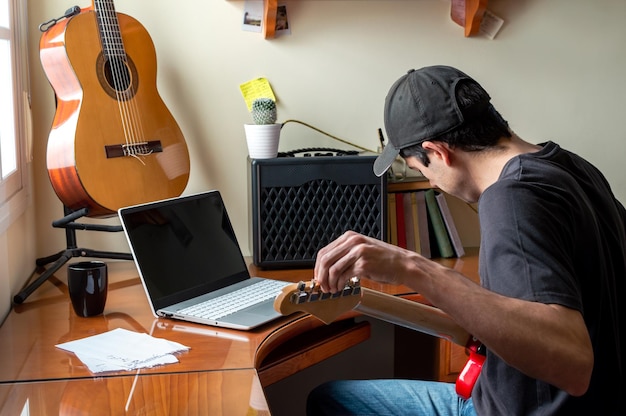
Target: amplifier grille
point(319, 212)
point(293, 222)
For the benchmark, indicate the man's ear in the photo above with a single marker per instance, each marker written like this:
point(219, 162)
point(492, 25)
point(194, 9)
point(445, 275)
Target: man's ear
point(438, 150)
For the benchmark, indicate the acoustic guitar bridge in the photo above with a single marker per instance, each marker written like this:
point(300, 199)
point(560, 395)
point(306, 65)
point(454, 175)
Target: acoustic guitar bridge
point(133, 149)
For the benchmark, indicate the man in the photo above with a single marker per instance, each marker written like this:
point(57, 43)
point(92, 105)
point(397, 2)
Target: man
point(551, 306)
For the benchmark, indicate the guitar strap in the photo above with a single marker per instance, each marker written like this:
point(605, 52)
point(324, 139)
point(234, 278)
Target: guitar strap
point(468, 376)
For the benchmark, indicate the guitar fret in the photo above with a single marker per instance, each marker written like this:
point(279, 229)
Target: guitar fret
point(109, 29)
point(113, 45)
point(114, 52)
point(111, 26)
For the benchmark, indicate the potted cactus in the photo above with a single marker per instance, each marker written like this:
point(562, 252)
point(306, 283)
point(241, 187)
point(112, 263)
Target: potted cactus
point(263, 136)
point(263, 111)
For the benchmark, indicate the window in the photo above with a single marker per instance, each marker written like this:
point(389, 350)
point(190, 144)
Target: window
point(14, 111)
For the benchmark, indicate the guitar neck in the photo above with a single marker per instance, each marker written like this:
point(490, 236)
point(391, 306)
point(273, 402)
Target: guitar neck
point(109, 28)
point(301, 297)
point(412, 315)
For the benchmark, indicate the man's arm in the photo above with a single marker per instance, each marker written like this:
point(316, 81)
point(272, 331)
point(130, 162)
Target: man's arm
point(547, 342)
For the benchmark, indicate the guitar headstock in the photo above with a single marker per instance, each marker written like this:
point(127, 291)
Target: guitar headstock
point(307, 297)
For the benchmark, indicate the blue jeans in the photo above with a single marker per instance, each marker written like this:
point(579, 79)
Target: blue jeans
point(387, 397)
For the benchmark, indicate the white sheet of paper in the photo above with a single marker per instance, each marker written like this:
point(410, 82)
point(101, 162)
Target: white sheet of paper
point(252, 16)
point(491, 24)
point(121, 349)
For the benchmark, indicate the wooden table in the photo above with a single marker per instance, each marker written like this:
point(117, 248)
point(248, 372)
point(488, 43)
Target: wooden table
point(33, 369)
point(225, 392)
point(224, 371)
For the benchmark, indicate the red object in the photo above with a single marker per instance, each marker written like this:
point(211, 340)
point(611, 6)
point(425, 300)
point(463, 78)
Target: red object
point(468, 376)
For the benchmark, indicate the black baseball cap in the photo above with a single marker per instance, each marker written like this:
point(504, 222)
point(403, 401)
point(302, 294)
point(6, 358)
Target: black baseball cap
point(422, 105)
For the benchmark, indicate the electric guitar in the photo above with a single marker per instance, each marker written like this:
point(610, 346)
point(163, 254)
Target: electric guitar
point(113, 142)
point(306, 297)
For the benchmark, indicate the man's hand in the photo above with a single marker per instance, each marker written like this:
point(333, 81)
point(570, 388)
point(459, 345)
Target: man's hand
point(354, 254)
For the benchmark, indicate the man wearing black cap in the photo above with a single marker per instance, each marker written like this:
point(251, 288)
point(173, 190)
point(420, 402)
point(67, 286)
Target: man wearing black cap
point(551, 306)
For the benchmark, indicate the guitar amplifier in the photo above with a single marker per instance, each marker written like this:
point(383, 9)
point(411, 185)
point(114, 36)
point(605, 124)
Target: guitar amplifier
point(300, 204)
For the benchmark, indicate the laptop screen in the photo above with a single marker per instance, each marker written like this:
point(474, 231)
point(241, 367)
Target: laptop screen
point(184, 247)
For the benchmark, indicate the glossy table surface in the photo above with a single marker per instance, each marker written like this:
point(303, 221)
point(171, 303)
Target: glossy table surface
point(29, 334)
point(33, 368)
point(226, 392)
point(218, 375)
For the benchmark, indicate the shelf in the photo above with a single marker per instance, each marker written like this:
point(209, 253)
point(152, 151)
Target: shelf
point(408, 185)
point(466, 13)
point(469, 14)
point(270, 8)
point(404, 208)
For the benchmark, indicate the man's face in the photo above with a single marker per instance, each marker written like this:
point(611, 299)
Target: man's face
point(450, 178)
point(429, 173)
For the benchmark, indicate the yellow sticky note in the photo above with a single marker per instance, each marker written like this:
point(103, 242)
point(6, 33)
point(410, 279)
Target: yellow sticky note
point(256, 88)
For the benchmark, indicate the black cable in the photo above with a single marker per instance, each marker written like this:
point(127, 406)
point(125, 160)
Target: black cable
point(72, 11)
point(329, 135)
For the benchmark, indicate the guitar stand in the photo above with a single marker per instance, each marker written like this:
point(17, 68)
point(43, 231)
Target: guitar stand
point(63, 256)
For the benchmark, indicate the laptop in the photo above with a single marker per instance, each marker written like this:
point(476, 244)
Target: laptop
point(192, 267)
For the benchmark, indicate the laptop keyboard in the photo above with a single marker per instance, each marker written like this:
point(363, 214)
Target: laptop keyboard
point(236, 301)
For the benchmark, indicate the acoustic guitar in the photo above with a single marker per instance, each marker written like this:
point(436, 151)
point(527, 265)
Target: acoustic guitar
point(307, 297)
point(113, 142)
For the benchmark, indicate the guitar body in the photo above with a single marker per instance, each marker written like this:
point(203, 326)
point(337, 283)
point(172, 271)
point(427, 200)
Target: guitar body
point(109, 146)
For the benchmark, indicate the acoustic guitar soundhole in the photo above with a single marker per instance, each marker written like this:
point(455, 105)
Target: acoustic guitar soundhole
point(117, 76)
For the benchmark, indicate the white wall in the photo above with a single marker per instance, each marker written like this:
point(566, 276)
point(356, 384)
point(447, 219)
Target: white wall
point(555, 71)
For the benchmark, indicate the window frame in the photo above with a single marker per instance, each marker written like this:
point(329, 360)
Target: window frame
point(14, 189)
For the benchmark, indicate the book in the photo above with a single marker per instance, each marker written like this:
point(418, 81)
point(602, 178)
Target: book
point(392, 226)
point(408, 221)
point(422, 224)
point(439, 228)
point(415, 234)
point(453, 233)
point(400, 219)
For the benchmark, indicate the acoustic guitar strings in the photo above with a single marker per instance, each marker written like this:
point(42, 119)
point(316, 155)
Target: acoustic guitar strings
point(121, 75)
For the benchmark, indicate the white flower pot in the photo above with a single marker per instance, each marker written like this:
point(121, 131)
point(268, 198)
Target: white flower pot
point(262, 140)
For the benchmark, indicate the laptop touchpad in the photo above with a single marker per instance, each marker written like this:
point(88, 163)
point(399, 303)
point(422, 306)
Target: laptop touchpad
point(264, 309)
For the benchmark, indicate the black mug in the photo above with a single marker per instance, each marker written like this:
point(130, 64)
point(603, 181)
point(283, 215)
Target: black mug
point(87, 283)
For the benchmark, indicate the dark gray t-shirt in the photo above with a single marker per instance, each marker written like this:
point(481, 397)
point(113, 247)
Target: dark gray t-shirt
point(552, 232)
